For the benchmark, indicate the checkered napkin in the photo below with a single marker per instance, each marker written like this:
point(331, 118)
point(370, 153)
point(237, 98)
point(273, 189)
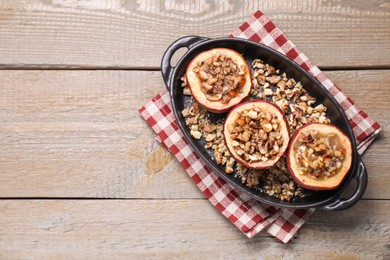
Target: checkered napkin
point(248, 215)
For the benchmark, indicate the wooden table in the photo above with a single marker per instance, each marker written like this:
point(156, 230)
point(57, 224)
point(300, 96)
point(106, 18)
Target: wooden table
point(81, 175)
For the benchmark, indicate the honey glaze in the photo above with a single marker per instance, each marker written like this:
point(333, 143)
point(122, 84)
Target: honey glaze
point(320, 156)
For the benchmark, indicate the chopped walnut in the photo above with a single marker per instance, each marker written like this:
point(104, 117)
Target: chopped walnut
point(221, 78)
point(318, 156)
point(257, 135)
point(291, 97)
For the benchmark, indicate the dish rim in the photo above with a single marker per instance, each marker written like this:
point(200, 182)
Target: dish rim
point(194, 44)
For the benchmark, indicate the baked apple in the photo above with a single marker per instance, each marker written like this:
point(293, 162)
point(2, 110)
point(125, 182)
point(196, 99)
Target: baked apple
point(256, 134)
point(219, 79)
point(319, 156)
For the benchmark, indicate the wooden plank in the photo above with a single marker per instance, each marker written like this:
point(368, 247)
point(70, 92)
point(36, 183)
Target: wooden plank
point(79, 134)
point(124, 34)
point(370, 93)
point(193, 229)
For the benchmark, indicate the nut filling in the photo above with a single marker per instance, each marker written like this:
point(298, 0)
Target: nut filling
point(267, 84)
point(221, 78)
point(319, 155)
point(256, 136)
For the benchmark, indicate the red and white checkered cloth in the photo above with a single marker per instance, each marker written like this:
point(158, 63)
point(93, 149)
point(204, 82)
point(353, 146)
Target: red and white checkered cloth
point(248, 215)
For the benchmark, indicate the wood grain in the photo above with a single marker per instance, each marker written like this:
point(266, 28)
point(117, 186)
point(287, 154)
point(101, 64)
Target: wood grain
point(370, 93)
point(129, 34)
point(71, 138)
point(179, 229)
point(79, 134)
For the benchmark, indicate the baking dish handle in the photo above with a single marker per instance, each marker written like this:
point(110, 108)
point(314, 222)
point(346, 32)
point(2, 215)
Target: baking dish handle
point(187, 42)
point(361, 178)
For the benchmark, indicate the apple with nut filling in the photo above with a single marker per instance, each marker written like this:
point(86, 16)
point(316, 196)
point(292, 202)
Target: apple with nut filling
point(219, 79)
point(256, 134)
point(319, 156)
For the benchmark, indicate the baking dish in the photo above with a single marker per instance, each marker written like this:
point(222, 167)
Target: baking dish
point(330, 199)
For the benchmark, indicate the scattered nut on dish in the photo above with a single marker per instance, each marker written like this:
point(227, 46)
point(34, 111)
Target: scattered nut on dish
point(219, 79)
point(268, 83)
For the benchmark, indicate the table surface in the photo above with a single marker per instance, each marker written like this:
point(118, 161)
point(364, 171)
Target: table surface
point(81, 174)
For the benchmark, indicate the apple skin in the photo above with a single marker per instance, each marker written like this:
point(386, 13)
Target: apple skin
point(262, 104)
point(310, 183)
point(194, 83)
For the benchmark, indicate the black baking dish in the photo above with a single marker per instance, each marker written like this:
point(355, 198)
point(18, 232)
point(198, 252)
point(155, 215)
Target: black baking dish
point(250, 50)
